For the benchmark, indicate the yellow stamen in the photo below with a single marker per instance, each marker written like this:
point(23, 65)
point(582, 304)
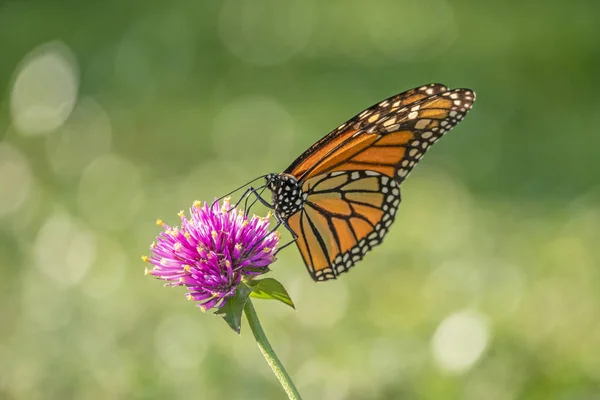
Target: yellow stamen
point(266, 249)
point(187, 268)
point(238, 246)
point(269, 214)
point(214, 234)
point(177, 246)
point(187, 235)
point(153, 245)
point(159, 222)
point(203, 309)
point(146, 271)
point(197, 204)
point(188, 296)
point(145, 258)
point(199, 249)
point(180, 213)
point(163, 261)
point(245, 223)
point(181, 279)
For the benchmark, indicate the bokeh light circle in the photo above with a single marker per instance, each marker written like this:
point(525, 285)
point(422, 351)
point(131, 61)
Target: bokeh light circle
point(110, 192)
point(16, 180)
point(84, 137)
point(45, 89)
point(64, 249)
point(266, 32)
point(460, 340)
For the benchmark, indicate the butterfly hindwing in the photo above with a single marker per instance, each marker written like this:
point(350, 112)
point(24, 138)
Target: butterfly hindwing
point(345, 215)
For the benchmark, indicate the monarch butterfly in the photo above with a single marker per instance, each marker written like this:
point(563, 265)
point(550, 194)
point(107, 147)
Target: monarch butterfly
point(339, 198)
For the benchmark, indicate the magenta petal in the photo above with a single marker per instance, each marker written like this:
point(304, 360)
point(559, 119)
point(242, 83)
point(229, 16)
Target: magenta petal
point(212, 251)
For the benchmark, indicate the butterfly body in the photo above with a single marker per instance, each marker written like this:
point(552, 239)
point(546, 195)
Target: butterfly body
point(340, 197)
point(288, 197)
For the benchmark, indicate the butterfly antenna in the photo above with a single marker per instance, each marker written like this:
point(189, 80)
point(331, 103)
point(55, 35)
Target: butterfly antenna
point(240, 188)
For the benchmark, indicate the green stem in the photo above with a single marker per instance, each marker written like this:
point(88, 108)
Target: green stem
point(269, 353)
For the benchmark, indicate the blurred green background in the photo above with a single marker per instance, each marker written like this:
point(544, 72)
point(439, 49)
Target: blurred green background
point(115, 113)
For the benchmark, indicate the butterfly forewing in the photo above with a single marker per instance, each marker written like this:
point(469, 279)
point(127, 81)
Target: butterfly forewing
point(343, 133)
point(395, 142)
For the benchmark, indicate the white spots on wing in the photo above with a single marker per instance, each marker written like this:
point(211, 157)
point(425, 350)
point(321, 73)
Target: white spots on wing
point(355, 175)
point(426, 135)
point(389, 122)
point(421, 124)
point(413, 115)
point(393, 128)
point(373, 118)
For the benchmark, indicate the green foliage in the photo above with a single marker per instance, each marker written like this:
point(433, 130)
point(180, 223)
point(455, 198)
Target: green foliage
point(185, 100)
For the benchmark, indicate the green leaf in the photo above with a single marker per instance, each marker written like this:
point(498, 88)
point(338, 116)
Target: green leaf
point(270, 289)
point(232, 310)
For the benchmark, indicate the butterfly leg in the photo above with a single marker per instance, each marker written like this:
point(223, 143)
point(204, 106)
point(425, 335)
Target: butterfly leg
point(258, 198)
point(244, 197)
point(294, 236)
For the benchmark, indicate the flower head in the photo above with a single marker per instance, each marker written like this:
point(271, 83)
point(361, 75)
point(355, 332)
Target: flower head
point(212, 251)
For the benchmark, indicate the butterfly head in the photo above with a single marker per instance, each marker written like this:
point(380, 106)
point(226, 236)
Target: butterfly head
point(288, 197)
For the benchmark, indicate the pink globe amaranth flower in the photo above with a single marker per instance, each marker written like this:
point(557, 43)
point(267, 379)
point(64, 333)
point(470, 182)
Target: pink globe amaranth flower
point(212, 252)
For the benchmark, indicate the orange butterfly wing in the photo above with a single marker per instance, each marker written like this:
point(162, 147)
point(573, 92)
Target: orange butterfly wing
point(344, 133)
point(345, 215)
point(394, 142)
point(352, 175)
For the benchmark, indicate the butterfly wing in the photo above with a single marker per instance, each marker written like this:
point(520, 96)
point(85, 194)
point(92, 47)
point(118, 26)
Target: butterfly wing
point(393, 143)
point(344, 132)
point(344, 216)
point(352, 176)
